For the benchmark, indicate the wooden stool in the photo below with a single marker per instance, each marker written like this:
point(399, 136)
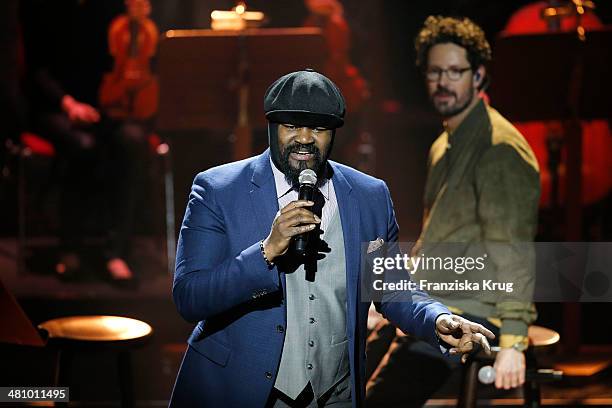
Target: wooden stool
point(540, 339)
point(97, 333)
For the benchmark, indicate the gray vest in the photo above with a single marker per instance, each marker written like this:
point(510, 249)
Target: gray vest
point(316, 346)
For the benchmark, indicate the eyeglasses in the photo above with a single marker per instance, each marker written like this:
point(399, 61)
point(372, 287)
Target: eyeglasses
point(453, 74)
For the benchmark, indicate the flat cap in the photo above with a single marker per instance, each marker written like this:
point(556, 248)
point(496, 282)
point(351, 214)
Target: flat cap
point(305, 98)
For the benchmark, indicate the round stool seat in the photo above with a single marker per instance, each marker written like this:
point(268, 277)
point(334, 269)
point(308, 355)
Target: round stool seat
point(542, 337)
point(97, 329)
point(115, 334)
point(541, 340)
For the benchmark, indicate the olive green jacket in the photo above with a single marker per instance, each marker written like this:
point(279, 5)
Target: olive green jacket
point(482, 191)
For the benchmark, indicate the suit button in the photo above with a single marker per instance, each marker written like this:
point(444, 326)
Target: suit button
point(280, 328)
point(311, 343)
point(268, 375)
point(309, 366)
point(312, 320)
point(311, 296)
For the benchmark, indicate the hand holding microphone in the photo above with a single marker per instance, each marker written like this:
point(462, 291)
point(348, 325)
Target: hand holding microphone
point(294, 220)
point(308, 183)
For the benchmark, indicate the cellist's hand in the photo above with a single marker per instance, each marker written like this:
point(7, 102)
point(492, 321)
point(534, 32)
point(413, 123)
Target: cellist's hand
point(79, 112)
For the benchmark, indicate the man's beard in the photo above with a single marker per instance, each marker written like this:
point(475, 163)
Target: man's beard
point(292, 174)
point(450, 110)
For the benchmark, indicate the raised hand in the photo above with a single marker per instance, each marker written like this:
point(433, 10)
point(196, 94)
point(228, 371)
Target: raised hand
point(462, 335)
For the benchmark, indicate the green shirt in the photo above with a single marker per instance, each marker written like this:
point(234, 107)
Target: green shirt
point(482, 191)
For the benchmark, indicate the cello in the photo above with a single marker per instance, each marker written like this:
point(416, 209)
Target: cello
point(131, 90)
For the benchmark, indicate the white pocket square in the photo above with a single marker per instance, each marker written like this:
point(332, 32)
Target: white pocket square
point(374, 245)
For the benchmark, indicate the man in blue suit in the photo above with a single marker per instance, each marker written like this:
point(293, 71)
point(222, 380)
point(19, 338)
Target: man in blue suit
point(276, 328)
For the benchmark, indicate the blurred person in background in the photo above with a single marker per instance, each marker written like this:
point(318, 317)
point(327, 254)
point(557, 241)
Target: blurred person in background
point(481, 195)
point(102, 159)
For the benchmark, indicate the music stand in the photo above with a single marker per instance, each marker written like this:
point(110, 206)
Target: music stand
point(212, 84)
point(538, 77)
point(557, 77)
point(203, 72)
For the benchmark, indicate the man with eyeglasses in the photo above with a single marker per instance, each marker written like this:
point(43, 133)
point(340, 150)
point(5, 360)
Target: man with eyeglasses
point(481, 199)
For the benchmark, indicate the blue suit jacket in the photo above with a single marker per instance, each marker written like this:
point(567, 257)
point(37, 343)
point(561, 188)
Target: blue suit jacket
point(223, 283)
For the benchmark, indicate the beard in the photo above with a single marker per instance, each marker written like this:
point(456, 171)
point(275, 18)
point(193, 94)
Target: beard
point(292, 174)
point(448, 109)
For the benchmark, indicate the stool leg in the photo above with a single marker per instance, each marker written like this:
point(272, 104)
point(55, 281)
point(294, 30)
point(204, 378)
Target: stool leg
point(62, 368)
point(531, 389)
point(469, 386)
point(125, 379)
point(169, 204)
point(62, 372)
point(531, 394)
point(377, 345)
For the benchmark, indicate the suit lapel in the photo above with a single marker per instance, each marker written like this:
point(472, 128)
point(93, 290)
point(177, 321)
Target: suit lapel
point(349, 216)
point(263, 193)
point(264, 200)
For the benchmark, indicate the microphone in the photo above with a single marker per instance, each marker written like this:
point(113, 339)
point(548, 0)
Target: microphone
point(486, 375)
point(308, 182)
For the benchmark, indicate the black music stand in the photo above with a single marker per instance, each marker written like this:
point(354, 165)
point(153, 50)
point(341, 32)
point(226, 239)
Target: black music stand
point(552, 76)
point(212, 85)
point(204, 73)
point(557, 77)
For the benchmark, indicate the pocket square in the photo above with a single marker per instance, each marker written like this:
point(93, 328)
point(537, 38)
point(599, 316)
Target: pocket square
point(374, 245)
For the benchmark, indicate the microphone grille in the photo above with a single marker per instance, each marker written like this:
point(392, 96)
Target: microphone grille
point(486, 375)
point(308, 176)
